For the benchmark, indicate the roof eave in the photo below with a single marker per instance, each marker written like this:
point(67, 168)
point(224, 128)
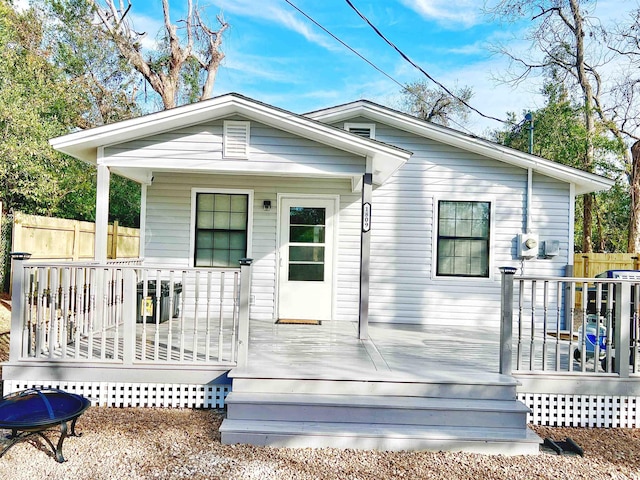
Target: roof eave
point(584, 182)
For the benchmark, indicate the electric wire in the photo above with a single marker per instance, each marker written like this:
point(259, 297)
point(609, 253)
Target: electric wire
point(380, 70)
point(418, 67)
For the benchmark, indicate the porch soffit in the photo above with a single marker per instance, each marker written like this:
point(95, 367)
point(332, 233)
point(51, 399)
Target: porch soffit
point(584, 182)
point(87, 144)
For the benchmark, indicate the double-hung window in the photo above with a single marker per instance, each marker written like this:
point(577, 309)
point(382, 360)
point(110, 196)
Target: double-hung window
point(221, 221)
point(463, 238)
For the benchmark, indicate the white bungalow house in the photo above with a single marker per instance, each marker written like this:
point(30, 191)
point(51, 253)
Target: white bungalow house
point(370, 310)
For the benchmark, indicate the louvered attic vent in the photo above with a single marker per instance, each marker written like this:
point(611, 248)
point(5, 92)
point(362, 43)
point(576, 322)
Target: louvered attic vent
point(366, 130)
point(236, 139)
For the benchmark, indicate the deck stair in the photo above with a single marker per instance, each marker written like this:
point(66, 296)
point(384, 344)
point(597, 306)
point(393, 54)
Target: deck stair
point(449, 411)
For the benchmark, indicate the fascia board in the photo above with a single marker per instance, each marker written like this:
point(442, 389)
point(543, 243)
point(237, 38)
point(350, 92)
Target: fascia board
point(584, 182)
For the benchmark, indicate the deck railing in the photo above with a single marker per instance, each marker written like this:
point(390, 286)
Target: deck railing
point(570, 325)
point(129, 314)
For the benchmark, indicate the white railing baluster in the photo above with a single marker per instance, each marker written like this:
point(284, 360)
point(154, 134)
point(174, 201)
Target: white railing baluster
point(79, 313)
point(572, 316)
point(533, 325)
point(596, 352)
point(221, 319)
point(92, 310)
point(182, 316)
point(559, 290)
point(520, 320)
point(143, 314)
point(171, 310)
point(609, 327)
point(158, 317)
point(234, 315)
point(545, 319)
point(42, 308)
point(67, 293)
point(207, 339)
point(194, 343)
point(583, 337)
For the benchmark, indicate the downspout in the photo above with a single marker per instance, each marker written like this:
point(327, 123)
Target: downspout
point(527, 215)
point(527, 221)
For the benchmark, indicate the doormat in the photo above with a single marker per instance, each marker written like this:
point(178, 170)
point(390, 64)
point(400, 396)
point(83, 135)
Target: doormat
point(295, 321)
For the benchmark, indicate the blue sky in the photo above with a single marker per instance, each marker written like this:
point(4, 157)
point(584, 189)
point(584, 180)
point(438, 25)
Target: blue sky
point(275, 55)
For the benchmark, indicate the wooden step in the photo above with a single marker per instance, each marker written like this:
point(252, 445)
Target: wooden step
point(375, 409)
point(477, 385)
point(388, 437)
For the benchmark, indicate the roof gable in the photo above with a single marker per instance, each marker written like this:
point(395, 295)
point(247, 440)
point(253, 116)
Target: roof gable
point(86, 144)
point(584, 182)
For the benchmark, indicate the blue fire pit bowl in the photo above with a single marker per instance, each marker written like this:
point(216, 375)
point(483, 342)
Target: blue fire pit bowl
point(35, 410)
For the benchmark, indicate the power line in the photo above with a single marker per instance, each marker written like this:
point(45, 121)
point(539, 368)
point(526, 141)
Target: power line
point(347, 46)
point(401, 85)
point(403, 55)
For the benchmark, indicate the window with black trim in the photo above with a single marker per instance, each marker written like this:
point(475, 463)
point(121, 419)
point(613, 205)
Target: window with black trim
point(463, 238)
point(221, 229)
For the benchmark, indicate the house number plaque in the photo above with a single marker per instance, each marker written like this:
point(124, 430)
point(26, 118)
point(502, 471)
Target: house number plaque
point(366, 217)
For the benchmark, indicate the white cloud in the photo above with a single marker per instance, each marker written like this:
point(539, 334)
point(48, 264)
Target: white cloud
point(21, 5)
point(280, 13)
point(149, 25)
point(449, 12)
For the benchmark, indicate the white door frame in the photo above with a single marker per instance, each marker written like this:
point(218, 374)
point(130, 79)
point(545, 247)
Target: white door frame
point(334, 259)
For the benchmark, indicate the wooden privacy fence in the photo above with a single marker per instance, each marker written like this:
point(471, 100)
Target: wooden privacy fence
point(61, 239)
point(591, 264)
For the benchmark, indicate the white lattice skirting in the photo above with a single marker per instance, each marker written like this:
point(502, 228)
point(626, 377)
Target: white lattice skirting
point(582, 410)
point(106, 394)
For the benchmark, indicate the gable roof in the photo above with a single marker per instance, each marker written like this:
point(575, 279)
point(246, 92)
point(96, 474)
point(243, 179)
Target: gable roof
point(85, 144)
point(584, 182)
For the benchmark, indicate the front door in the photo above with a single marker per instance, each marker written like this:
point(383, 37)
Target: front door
point(306, 258)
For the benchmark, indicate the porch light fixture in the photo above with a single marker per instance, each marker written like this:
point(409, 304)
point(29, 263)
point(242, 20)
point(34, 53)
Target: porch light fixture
point(266, 205)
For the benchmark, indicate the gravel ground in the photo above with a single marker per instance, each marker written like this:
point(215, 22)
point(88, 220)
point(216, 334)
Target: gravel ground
point(136, 443)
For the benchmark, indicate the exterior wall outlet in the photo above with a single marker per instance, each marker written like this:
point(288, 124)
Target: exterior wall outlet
point(528, 245)
point(550, 248)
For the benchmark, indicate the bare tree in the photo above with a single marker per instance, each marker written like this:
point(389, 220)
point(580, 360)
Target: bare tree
point(560, 40)
point(436, 105)
point(199, 50)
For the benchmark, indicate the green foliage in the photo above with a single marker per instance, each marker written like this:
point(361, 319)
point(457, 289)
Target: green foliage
point(90, 61)
point(560, 135)
point(36, 103)
point(44, 93)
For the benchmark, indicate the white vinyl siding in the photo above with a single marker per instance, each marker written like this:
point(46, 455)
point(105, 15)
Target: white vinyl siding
point(168, 230)
point(200, 147)
point(403, 284)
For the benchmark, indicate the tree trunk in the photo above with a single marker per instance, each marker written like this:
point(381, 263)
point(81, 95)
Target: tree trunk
point(633, 246)
point(587, 93)
point(587, 223)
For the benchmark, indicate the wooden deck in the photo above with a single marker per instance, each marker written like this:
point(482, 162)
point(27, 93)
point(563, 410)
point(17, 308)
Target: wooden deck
point(403, 348)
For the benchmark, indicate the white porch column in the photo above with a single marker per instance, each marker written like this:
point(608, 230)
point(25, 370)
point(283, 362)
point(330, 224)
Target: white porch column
point(365, 252)
point(102, 214)
point(143, 219)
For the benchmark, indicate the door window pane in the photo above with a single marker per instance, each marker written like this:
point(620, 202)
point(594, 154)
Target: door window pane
point(306, 216)
point(306, 254)
point(306, 272)
point(307, 228)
